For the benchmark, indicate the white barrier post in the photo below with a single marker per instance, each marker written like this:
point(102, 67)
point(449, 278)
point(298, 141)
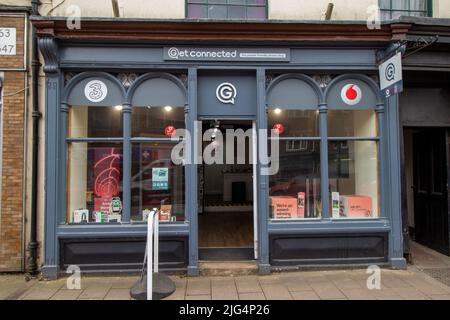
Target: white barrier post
point(152, 244)
point(156, 243)
point(149, 257)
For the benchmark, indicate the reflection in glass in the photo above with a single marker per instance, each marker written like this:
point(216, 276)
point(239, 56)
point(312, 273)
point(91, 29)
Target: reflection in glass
point(295, 123)
point(156, 182)
point(353, 174)
point(94, 182)
point(95, 122)
point(295, 190)
point(151, 122)
point(352, 123)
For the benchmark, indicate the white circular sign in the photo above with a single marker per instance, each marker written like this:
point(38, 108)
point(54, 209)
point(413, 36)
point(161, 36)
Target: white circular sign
point(226, 93)
point(95, 91)
point(351, 94)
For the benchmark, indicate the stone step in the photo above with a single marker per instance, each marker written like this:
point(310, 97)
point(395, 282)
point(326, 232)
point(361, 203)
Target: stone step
point(228, 268)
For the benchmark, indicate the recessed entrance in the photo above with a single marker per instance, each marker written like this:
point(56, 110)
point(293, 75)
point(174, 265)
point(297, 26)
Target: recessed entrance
point(426, 159)
point(226, 191)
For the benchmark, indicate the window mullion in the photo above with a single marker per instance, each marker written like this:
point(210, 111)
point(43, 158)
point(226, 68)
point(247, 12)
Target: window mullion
point(323, 109)
point(126, 165)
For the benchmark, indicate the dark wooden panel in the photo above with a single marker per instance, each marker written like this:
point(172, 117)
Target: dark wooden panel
point(116, 254)
point(288, 250)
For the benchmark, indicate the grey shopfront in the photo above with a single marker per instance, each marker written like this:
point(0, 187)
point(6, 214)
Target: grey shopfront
point(105, 102)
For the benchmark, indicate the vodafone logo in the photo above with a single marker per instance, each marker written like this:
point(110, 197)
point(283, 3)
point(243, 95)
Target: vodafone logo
point(351, 94)
point(169, 131)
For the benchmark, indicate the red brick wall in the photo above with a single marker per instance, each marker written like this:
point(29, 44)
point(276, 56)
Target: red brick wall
point(12, 178)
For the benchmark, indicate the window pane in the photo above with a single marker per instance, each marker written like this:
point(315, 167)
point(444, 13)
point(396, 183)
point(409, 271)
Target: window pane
point(217, 12)
point(352, 123)
point(197, 11)
point(294, 123)
point(95, 122)
point(353, 174)
point(418, 5)
point(155, 121)
point(256, 13)
point(236, 2)
point(385, 4)
point(156, 182)
point(94, 182)
point(256, 2)
point(400, 4)
point(236, 12)
point(295, 190)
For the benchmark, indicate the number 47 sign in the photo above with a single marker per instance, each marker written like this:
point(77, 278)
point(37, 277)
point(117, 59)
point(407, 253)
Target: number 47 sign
point(7, 41)
point(391, 79)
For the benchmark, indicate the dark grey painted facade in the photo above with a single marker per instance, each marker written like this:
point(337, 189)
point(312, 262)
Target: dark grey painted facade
point(280, 244)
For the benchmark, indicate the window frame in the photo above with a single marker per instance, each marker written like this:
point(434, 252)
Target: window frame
point(300, 140)
point(428, 11)
point(323, 108)
point(69, 141)
point(266, 6)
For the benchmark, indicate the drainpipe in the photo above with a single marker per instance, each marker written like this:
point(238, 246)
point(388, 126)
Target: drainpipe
point(33, 245)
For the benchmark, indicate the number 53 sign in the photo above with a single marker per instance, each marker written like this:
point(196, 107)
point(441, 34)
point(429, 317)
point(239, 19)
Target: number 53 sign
point(7, 41)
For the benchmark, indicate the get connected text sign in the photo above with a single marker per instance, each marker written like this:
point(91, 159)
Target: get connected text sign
point(226, 54)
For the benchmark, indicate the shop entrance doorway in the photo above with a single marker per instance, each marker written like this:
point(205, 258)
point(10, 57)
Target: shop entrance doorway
point(227, 197)
point(426, 166)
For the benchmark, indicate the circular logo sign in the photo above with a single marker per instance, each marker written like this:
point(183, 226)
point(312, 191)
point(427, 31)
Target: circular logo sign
point(169, 131)
point(390, 72)
point(95, 91)
point(278, 128)
point(351, 94)
point(226, 93)
point(173, 53)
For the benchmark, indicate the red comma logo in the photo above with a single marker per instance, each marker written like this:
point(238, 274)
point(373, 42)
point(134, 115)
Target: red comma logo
point(278, 128)
point(351, 94)
point(169, 131)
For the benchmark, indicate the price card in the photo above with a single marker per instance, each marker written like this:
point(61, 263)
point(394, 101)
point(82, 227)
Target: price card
point(8, 42)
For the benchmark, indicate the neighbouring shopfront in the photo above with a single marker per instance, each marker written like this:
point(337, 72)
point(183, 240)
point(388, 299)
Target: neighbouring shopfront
point(112, 109)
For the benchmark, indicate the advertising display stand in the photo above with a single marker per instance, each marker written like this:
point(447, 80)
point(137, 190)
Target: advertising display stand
point(152, 285)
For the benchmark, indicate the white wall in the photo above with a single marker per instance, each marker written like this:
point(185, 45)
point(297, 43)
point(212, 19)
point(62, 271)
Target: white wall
point(175, 9)
point(314, 10)
point(155, 9)
point(441, 8)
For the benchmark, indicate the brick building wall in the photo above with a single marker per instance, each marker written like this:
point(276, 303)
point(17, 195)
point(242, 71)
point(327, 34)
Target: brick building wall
point(11, 215)
point(12, 178)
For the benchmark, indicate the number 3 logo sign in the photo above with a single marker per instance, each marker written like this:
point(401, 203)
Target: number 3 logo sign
point(95, 91)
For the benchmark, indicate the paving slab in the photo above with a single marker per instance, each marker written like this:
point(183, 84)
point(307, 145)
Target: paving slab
point(95, 292)
point(305, 295)
point(249, 284)
point(118, 294)
point(276, 292)
point(66, 295)
point(198, 286)
point(252, 296)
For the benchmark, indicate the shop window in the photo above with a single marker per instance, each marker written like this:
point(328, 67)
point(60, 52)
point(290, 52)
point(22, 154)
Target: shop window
point(156, 183)
point(95, 122)
point(353, 164)
point(153, 122)
point(352, 123)
point(227, 9)
point(295, 123)
point(94, 167)
point(392, 9)
point(94, 182)
point(295, 190)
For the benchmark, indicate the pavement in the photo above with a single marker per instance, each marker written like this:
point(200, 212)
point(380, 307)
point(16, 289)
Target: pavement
point(411, 284)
